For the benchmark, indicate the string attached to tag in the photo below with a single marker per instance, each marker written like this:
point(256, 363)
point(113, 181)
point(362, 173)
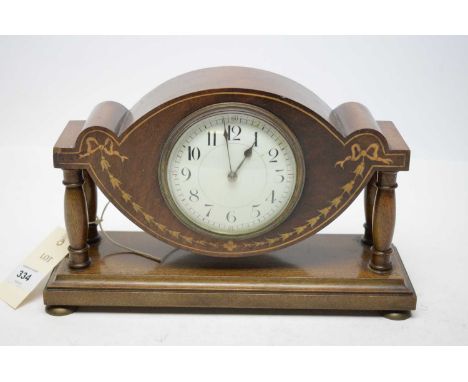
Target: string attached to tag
point(133, 251)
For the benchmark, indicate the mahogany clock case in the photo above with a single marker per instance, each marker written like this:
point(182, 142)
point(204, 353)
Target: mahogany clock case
point(345, 151)
point(121, 150)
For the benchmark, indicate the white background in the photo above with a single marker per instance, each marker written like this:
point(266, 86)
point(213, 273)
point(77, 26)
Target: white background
point(420, 83)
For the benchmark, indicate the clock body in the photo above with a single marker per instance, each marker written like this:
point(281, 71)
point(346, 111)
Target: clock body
point(231, 161)
point(232, 170)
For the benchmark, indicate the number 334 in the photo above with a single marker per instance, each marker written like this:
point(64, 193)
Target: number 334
point(24, 275)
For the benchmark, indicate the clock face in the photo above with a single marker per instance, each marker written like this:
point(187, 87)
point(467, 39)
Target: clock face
point(233, 170)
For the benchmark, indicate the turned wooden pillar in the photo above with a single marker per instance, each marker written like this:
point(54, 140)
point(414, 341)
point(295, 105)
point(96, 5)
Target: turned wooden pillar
point(369, 201)
point(76, 218)
point(383, 222)
point(90, 192)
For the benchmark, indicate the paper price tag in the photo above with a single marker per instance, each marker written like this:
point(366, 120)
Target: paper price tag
point(22, 281)
point(25, 278)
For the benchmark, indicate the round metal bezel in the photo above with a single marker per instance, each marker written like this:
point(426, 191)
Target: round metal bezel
point(231, 107)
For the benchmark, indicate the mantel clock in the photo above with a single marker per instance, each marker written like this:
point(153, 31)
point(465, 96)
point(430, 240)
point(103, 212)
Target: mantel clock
point(233, 171)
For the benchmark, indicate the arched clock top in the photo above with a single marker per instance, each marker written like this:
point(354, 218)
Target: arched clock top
point(341, 150)
point(226, 78)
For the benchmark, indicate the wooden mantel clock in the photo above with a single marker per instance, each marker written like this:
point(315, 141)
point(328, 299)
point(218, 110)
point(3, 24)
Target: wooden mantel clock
point(233, 171)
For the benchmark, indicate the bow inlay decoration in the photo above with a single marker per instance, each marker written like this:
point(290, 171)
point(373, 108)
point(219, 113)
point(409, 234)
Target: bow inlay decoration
point(358, 156)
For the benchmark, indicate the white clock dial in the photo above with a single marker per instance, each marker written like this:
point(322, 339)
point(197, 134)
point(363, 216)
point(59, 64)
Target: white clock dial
point(233, 171)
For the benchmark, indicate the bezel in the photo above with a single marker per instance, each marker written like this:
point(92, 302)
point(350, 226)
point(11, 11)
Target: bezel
point(231, 107)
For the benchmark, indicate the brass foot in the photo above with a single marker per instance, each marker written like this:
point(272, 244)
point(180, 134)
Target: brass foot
point(397, 316)
point(60, 310)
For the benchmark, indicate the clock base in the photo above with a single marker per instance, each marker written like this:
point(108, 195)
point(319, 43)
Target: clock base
point(324, 273)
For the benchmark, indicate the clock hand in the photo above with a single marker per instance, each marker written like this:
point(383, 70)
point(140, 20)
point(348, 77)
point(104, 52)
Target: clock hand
point(230, 175)
point(247, 154)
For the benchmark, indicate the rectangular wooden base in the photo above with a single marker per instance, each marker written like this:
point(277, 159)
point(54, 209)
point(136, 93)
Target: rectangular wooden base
point(324, 272)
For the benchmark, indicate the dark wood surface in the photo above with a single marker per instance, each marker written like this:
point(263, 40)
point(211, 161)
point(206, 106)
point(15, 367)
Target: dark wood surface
point(322, 272)
point(76, 218)
point(369, 200)
point(383, 221)
point(121, 150)
point(90, 191)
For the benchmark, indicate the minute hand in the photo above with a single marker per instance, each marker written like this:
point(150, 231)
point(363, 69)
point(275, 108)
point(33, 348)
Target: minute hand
point(226, 138)
point(247, 154)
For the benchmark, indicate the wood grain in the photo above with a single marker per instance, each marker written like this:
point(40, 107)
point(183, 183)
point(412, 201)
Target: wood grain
point(322, 272)
point(76, 218)
point(121, 151)
point(383, 221)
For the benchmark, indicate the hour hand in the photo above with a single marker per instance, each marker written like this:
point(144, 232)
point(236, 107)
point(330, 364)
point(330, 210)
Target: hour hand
point(247, 154)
